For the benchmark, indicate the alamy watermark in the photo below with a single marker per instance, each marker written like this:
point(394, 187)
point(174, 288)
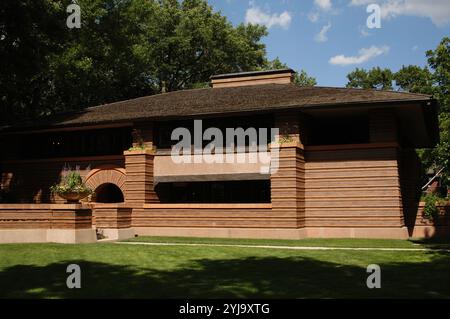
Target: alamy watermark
point(374, 19)
point(74, 279)
point(374, 279)
point(74, 19)
point(238, 146)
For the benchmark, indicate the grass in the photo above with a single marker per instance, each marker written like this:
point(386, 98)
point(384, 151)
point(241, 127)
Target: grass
point(309, 242)
point(137, 271)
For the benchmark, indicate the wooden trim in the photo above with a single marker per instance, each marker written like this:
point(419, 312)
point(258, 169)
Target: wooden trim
point(67, 159)
point(139, 152)
point(286, 145)
point(108, 205)
point(43, 206)
point(351, 146)
point(78, 127)
point(210, 206)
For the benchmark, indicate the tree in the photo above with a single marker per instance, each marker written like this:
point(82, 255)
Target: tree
point(439, 62)
point(376, 78)
point(30, 32)
point(414, 79)
point(301, 78)
point(185, 42)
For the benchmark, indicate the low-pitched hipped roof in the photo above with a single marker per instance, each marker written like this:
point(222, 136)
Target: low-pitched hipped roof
point(209, 101)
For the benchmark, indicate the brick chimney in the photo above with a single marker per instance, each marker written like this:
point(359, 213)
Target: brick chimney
point(284, 76)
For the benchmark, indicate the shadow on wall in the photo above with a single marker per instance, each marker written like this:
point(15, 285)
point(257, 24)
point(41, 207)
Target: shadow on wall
point(250, 277)
point(410, 171)
point(30, 182)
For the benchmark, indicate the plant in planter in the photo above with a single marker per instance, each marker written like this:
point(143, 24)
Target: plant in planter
point(138, 141)
point(71, 188)
point(285, 139)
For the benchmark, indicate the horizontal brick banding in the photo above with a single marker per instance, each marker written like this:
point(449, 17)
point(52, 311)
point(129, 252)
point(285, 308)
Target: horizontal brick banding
point(38, 216)
point(353, 187)
point(139, 179)
point(205, 215)
point(114, 216)
point(288, 185)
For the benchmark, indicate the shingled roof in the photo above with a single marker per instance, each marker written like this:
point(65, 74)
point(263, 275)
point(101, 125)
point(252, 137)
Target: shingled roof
point(211, 101)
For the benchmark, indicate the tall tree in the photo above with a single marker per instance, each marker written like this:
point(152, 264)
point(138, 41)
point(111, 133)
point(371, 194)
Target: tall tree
point(30, 32)
point(186, 42)
point(414, 79)
point(124, 49)
point(376, 78)
point(439, 62)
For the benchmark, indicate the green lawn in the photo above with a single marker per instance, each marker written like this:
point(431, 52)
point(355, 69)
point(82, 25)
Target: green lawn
point(112, 270)
point(312, 242)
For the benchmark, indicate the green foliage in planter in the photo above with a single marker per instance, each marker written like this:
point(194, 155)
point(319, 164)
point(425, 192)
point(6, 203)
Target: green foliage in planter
point(71, 183)
point(285, 139)
point(138, 141)
point(138, 148)
point(430, 211)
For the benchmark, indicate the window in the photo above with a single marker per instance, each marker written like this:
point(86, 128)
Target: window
point(257, 191)
point(74, 143)
point(339, 130)
point(164, 129)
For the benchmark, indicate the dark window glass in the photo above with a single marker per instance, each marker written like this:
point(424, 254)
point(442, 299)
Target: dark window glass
point(339, 130)
point(164, 129)
point(73, 143)
point(215, 192)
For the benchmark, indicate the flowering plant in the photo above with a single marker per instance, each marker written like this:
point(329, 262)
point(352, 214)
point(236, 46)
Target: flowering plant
point(71, 182)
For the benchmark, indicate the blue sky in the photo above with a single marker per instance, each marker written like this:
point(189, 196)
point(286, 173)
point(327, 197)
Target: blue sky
point(408, 29)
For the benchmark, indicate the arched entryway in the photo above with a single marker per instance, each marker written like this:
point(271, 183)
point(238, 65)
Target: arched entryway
point(108, 193)
point(108, 184)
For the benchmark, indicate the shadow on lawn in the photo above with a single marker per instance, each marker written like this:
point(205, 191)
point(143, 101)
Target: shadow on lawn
point(269, 277)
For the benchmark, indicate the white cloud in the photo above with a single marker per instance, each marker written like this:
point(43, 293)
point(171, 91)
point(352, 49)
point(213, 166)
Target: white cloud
point(321, 8)
point(364, 55)
point(256, 15)
point(322, 35)
point(436, 10)
point(323, 4)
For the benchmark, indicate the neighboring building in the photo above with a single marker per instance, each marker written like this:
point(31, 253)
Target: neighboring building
point(347, 165)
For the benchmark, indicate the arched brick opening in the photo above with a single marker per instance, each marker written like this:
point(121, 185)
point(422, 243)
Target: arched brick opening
point(106, 175)
point(109, 193)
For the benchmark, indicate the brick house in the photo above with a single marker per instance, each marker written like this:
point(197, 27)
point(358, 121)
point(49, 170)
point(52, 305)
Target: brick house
point(347, 165)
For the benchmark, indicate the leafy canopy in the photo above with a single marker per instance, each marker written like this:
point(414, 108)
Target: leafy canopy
point(124, 49)
point(375, 78)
